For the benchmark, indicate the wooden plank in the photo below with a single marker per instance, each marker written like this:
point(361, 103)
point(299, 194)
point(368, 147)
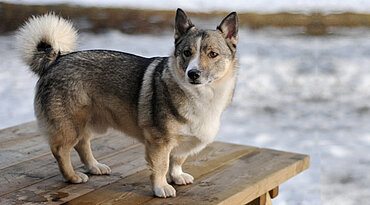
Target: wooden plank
point(23, 150)
point(135, 189)
point(43, 167)
point(25, 147)
point(55, 190)
point(16, 134)
point(21, 143)
point(243, 181)
point(122, 164)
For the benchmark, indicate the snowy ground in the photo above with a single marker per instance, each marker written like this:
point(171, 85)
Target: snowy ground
point(296, 93)
point(262, 6)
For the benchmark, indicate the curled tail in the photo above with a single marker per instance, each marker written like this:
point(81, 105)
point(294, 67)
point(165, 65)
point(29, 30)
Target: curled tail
point(43, 38)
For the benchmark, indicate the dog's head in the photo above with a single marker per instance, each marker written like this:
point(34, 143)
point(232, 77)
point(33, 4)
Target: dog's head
point(204, 56)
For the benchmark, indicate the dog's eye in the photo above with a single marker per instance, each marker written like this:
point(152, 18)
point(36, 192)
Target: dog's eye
point(187, 53)
point(212, 54)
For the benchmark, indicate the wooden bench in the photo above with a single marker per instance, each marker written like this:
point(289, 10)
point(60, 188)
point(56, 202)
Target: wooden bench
point(224, 173)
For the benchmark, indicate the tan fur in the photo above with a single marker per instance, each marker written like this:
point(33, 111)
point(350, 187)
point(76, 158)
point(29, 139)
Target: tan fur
point(158, 149)
point(228, 75)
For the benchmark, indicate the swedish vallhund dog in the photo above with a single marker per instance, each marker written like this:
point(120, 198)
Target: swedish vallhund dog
point(171, 104)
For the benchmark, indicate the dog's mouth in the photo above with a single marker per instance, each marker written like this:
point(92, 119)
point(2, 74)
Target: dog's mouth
point(198, 82)
point(195, 82)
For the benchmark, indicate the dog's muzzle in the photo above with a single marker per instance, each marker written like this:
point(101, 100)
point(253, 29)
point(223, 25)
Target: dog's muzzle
point(194, 76)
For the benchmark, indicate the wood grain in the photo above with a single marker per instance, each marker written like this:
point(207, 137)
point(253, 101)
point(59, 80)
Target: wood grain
point(22, 143)
point(55, 190)
point(244, 180)
point(13, 135)
point(136, 189)
point(44, 166)
point(224, 173)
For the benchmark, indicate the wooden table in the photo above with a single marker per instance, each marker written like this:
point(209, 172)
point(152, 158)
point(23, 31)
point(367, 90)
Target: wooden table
point(224, 173)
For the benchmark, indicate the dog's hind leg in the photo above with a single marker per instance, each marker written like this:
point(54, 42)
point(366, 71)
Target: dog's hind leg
point(84, 151)
point(61, 144)
point(176, 174)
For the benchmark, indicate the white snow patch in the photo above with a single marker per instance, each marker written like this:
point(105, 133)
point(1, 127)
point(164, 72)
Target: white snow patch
point(338, 151)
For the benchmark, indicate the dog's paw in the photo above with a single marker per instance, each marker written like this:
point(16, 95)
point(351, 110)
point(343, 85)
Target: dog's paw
point(164, 191)
point(99, 169)
point(182, 179)
point(79, 178)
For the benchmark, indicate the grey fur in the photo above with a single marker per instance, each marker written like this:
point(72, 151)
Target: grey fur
point(78, 80)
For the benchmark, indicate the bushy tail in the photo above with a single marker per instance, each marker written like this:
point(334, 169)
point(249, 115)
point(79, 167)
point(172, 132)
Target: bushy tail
point(43, 38)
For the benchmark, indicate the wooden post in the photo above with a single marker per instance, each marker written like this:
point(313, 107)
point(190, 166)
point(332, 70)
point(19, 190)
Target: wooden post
point(274, 192)
point(265, 199)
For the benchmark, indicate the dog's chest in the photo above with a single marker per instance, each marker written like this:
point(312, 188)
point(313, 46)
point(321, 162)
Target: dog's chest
point(204, 112)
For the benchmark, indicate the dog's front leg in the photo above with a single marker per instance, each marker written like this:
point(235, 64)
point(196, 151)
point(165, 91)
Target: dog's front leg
point(157, 156)
point(176, 174)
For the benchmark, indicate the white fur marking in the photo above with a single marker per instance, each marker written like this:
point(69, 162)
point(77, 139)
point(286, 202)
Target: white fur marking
point(146, 91)
point(179, 177)
point(194, 63)
point(176, 170)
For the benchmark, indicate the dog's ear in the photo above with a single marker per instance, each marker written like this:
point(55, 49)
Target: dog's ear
point(229, 29)
point(182, 24)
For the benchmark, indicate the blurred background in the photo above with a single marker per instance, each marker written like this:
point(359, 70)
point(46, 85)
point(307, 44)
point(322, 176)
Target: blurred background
point(303, 84)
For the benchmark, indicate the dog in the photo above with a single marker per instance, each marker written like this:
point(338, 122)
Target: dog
point(171, 104)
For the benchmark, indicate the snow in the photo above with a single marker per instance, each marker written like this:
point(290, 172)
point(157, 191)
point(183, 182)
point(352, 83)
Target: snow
point(295, 93)
point(262, 6)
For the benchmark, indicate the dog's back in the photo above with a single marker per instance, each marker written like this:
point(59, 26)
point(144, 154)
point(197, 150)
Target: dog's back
point(101, 87)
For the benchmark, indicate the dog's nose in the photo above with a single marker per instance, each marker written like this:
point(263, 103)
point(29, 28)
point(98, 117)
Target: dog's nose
point(194, 74)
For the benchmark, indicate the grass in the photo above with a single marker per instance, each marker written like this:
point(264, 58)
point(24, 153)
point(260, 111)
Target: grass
point(154, 21)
